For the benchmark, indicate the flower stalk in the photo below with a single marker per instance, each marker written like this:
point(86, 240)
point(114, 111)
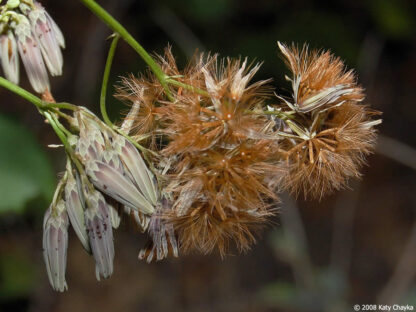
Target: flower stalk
point(106, 75)
point(123, 33)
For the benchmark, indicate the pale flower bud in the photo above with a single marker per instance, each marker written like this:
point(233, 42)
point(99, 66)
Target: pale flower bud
point(9, 57)
point(75, 206)
point(114, 165)
point(100, 233)
point(47, 38)
point(31, 57)
point(55, 244)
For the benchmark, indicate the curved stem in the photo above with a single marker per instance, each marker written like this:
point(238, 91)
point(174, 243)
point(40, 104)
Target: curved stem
point(33, 98)
point(119, 29)
point(61, 135)
point(21, 92)
point(106, 75)
point(61, 126)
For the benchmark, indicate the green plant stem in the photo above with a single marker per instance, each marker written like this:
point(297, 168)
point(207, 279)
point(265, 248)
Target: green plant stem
point(58, 131)
point(62, 105)
point(33, 98)
point(106, 75)
point(56, 125)
point(61, 126)
point(21, 92)
point(186, 86)
point(120, 30)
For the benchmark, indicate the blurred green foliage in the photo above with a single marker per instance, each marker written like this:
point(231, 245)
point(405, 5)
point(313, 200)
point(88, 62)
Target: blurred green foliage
point(393, 18)
point(17, 275)
point(25, 171)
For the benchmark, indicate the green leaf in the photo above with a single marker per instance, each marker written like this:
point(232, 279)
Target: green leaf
point(25, 171)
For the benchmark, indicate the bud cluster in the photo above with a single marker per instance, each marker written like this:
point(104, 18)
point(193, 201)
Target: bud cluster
point(26, 29)
point(105, 175)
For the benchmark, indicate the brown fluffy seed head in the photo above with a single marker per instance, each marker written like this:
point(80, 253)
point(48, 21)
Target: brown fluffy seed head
point(204, 232)
point(220, 195)
point(215, 164)
point(326, 140)
point(222, 116)
point(319, 79)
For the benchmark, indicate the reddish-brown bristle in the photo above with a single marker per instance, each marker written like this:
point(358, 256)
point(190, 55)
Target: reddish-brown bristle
point(204, 232)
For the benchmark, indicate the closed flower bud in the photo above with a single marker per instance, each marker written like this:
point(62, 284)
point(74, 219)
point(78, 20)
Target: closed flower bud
point(31, 57)
point(114, 165)
point(45, 31)
point(75, 207)
point(100, 233)
point(38, 41)
point(142, 176)
point(55, 244)
point(9, 57)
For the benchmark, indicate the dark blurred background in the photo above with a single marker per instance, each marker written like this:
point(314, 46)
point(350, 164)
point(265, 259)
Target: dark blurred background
point(356, 246)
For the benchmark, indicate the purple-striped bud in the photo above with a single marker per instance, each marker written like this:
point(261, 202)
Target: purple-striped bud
point(57, 31)
point(44, 31)
point(75, 207)
point(114, 165)
point(55, 244)
point(100, 233)
point(162, 236)
point(9, 57)
point(31, 57)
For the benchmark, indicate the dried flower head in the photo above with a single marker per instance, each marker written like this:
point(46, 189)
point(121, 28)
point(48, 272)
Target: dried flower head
point(319, 79)
point(215, 164)
point(327, 131)
point(222, 116)
point(223, 195)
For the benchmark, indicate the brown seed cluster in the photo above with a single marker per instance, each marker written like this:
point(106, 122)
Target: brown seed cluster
point(222, 154)
point(215, 162)
point(331, 131)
